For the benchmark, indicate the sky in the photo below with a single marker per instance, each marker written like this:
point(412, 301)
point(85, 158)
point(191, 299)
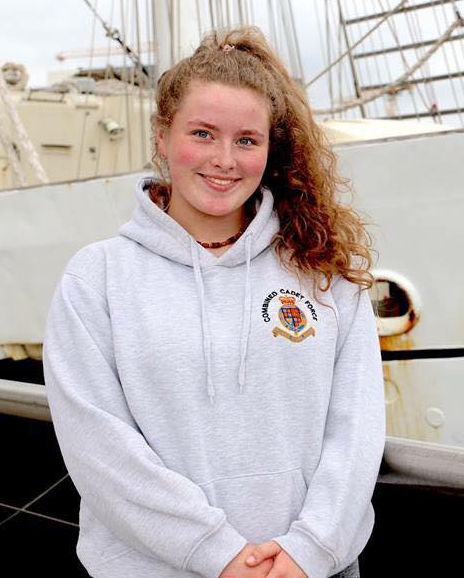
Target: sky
point(32, 32)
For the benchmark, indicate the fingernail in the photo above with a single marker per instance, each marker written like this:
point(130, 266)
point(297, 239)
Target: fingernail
point(251, 559)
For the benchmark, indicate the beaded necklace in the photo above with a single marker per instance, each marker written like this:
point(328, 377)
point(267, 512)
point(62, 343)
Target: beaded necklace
point(229, 241)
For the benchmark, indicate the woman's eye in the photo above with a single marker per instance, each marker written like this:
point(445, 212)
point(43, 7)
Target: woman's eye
point(245, 140)
point(201, 133)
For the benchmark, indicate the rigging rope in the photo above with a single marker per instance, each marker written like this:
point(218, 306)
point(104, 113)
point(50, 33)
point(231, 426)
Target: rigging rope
point(151, 54)
point(343, 75)
point(394, 32)
point(341, 69)
point(143, 152)
point(115, 35)
point(353, 70)
point(325, 56)
point(11, 152)
point(104, 97)
point(297, 44)
point(458, 66)
point(24, 141)
point(376, 63)
point(85, 112)
point(126, 94)
point(416, 40)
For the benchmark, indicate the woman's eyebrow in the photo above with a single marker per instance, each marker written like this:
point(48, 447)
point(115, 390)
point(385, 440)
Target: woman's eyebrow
point(198, 121)
point(251, 131)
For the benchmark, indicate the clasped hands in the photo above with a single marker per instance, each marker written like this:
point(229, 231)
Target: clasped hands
point(267, 560)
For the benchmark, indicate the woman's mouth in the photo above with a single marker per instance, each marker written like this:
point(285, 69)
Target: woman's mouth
point(219, 183)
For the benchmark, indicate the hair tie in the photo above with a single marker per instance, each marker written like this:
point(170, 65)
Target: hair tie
point(227, 48)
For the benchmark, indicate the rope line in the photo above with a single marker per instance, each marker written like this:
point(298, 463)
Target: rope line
point(115, 35)
point(24, 141)
point(24, 509)
point(11, 153)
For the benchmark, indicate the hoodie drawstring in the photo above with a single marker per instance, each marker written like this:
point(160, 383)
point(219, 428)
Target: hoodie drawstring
point(206, 330)
point(246, 323)
point(204, 320)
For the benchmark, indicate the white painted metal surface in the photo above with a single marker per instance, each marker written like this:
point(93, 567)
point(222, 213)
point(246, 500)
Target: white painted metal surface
point(40, 229)
point(24, 399)
point(409, 461)
point(425, 399)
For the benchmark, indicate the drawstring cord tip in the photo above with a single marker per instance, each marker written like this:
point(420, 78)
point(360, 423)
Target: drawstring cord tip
point(241, 378)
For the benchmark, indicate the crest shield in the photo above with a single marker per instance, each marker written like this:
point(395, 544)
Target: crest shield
point(291, 316)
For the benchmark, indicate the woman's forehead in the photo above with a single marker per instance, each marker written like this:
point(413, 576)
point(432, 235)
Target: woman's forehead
point(214, 102)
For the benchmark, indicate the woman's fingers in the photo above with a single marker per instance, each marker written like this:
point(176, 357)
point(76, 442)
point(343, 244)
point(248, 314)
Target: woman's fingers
point(262, 551)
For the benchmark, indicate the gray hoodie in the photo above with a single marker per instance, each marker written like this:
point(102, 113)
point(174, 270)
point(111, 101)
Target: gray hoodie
point(203, 402)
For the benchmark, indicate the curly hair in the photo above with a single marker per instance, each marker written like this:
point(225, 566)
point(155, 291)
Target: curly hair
point(319, 235)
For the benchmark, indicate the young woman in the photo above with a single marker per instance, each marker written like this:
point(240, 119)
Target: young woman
point(213, 372)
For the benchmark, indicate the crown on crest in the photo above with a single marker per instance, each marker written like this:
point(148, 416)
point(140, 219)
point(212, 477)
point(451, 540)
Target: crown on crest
point(287, 300)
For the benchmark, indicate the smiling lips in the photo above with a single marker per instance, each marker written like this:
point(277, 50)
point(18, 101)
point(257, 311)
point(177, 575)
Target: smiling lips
point(218, 183)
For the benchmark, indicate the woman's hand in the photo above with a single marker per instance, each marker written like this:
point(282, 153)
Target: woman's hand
point(284, 566)
point(238, 569)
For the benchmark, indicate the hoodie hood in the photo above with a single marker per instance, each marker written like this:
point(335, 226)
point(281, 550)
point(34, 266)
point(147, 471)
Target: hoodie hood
point(161, 234)
point(157, 231)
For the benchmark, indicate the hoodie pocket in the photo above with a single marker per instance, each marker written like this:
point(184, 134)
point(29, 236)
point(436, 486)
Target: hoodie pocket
point(260, 506)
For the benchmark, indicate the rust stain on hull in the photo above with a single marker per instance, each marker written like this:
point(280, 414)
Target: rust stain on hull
point(405, 404)
point(397, 342)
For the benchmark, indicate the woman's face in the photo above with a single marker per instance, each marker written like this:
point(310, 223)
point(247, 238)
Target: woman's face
point(216, 148)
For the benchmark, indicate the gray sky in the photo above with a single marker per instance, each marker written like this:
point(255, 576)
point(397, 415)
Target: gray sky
point(32, 32)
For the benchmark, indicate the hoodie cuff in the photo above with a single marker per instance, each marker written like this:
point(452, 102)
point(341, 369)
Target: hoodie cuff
point(312, 558)
point(215, 551)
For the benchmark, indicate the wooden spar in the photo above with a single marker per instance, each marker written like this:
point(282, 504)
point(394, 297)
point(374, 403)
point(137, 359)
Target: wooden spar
point(399, 11)
point(439, 112)
point(405, 47)
point(425, 79)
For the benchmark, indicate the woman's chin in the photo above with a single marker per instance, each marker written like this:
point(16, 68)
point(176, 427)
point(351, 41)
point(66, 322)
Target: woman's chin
point(221, 210)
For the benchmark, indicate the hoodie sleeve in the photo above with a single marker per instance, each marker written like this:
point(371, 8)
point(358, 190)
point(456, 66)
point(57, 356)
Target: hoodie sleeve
point(336, 519)
point(121, 479)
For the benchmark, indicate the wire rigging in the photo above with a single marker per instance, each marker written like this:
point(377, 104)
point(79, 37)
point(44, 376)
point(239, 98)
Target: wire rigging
point(115, 35)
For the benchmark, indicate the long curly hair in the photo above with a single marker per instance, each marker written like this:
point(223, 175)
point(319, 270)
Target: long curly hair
point(319, 235)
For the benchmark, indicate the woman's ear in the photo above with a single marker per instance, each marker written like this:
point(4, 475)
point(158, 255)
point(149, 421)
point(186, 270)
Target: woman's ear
point(161, 144)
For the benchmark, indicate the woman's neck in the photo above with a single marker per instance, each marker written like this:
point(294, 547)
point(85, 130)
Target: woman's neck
point(209, 229)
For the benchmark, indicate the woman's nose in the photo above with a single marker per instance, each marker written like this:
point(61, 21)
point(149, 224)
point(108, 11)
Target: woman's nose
point(224, 158)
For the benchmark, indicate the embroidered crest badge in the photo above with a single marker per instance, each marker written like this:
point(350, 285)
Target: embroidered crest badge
point(294, 320)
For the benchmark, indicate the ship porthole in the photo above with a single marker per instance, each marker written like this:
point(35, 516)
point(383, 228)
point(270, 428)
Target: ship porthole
point(396, 303)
